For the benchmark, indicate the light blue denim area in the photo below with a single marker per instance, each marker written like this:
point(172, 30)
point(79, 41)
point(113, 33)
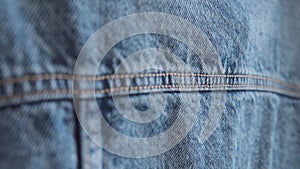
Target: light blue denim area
point(257, 42)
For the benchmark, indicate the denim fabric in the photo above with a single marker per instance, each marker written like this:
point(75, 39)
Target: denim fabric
point(258, 43)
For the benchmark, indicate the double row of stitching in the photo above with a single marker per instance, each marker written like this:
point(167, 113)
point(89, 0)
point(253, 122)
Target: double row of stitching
point(137, 88)
point(123, 76)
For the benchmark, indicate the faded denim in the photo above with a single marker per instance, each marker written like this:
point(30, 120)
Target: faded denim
point(258, 43)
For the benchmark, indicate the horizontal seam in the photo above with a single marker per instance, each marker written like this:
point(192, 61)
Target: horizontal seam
point(122, 76)
point(112, 90)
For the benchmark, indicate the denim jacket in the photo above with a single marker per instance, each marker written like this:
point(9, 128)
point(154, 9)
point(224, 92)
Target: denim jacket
point(179, 84)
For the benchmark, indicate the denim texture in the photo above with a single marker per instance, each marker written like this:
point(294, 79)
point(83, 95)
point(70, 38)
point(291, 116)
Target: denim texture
point(258, 43)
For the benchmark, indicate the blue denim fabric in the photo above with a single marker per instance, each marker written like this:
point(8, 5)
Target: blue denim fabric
point(258, 45)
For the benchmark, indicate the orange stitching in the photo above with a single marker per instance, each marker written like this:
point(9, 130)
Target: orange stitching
point(122, 76)
point(89, 91)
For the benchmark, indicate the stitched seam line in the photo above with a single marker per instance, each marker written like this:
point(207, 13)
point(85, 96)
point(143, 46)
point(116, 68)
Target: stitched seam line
point(123, 76)
point(113, 90)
